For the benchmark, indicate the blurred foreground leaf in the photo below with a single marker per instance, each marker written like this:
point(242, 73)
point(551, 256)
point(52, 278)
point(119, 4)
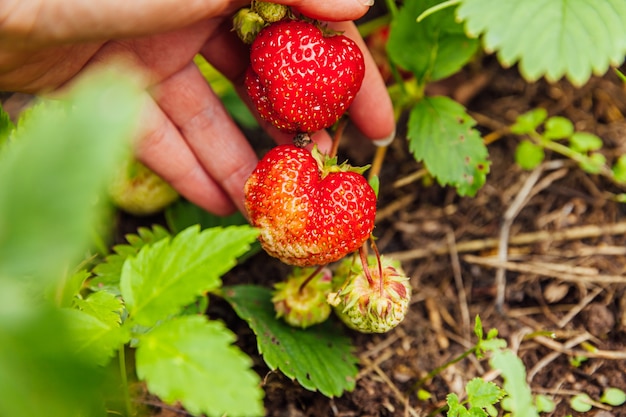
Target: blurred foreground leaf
point(52, 175)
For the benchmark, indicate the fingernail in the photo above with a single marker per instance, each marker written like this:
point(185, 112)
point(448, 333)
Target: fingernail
point(385, 141)
point(368, 3)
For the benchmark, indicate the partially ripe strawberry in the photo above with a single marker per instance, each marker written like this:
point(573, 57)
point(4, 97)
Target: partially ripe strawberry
point(310, 211)
point(367, 303)
point(301, 80)
point(303, 306)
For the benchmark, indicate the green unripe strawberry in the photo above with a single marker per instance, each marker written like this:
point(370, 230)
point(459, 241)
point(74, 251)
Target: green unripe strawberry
point(303, 306)
point(367, 303)
point(270, 12)
point(137, 190)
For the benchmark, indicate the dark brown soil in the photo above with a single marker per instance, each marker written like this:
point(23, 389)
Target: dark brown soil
point(569, 282)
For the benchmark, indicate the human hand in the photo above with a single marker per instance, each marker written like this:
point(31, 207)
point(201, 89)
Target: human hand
point(186, 136)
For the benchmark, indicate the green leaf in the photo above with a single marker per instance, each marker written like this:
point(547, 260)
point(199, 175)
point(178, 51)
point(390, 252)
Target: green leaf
point(544, 404)
point(528, 122)
point(104, 306)
point(619, 169)
point(68, 288)
point(478, 328)
point(52, 176)
point(320, 357)
point(192, 360)
point(183, 214)
point(551, 38)
point(520, 399)
point(613, 396)
point(93, 338)
point(583, 142)
point(581, 403)
point(170, 274)
point(594, 163)
point(529, 155)
point(374, 182)
point(432, 49)
point(441, 134)
point(6, 126)
point(481, 393)
point(41, 375)
point(558, 127)
point(455, 409)
point(109, 272)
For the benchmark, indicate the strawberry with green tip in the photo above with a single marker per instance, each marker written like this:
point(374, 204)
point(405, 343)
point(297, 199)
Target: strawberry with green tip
point(367, 302)
point(300, 300)
point(310, 210)
point(301, 80)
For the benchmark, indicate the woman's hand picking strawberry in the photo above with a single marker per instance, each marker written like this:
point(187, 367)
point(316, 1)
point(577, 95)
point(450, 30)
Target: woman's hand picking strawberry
point(187, 137)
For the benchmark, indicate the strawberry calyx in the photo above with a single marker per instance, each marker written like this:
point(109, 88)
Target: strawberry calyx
point(328, 164)
point(249, 21)
point(247, 24)
point(271, 12)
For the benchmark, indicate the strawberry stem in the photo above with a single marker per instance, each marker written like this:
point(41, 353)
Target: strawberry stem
point(366, 269)
point(309, 278)
point(337, 137)
point(380, 265)
point(377, 162)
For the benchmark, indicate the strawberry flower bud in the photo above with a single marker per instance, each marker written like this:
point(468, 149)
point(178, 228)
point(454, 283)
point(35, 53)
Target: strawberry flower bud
point(369, 304)
point(303, 306)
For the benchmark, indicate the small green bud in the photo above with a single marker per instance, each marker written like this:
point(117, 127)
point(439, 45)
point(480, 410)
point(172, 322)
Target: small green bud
point(372, 307)
point(270, 12)
point(303, 306)
point(247, 24)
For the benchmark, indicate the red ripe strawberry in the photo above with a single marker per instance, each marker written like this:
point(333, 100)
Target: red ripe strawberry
point(301, 80)
point(309, 212)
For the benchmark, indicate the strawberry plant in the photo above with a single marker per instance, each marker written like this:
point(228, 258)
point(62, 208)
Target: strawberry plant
point(430, 40)
point(541, 133)
point(69, 319)
point(77, 317)
point(74, 317)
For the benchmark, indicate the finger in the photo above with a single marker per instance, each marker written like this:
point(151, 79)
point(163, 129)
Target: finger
point(210, 133)
point(336, 10)
point(164, 150)
point(56, 21)
point(61, 21)
point(157, 57)
point(372, 109)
